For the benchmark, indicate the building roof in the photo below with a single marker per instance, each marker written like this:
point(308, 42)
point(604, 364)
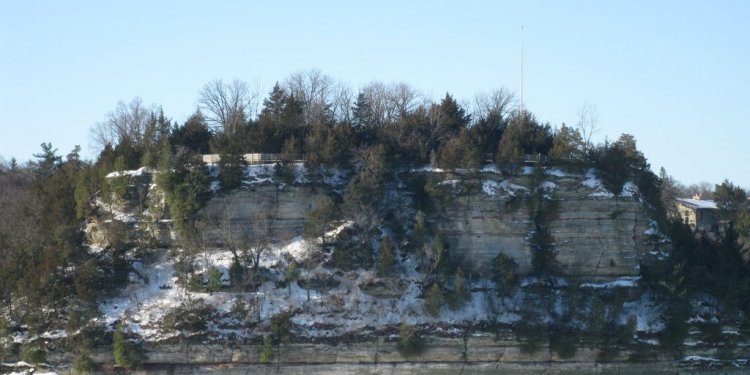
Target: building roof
point(698, 203)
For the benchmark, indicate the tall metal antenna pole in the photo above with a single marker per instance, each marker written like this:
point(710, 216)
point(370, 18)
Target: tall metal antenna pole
point(522, 110)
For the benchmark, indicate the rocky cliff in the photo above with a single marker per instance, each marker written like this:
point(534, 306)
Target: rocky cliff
point(595, 234)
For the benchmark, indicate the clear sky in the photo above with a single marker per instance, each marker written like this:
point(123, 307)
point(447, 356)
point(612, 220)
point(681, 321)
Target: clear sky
point(675, 74)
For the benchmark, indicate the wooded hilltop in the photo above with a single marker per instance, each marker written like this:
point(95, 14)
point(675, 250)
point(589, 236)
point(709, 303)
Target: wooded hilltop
point(403, 218)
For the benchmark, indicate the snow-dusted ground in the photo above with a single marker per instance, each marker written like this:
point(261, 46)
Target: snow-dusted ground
point(646, 311)
point(346, 308)
point(502, 189)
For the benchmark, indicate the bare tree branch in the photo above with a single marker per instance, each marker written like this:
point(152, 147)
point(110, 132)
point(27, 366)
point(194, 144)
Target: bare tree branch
point(226, 104)
point(588, 122)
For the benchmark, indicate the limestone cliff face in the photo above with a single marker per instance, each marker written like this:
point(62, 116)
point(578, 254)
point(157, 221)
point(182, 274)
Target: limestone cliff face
point(595, 235)
point(600, 236)
point(280, 209)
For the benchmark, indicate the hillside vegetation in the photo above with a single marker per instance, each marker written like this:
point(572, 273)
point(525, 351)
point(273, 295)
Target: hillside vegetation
point(385, 216)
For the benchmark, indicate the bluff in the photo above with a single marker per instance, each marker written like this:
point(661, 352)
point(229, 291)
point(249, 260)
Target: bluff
point(595, 235)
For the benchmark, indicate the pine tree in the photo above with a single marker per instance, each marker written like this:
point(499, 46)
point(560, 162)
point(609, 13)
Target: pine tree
point(232, 166)
point(126, 353)
point(214, 280)
point(409, 342)
point(266, 353)
point(567, 147)
point(451, 118)
point(459, 294)
point(385, 257)
point(433, 300)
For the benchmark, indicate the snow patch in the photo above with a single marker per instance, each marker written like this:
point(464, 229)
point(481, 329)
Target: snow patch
point(557, 172)
point(501, 189)
point(548, 185)
point(622, 282)
point(132, 173)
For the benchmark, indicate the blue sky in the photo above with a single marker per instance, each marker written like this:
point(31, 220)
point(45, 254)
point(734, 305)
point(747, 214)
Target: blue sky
point(675, 74)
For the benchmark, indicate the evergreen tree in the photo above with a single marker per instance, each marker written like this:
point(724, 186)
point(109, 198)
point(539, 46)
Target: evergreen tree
point(459, 294)
point(730, 199)
point(266, 353)
point(409, 342)
point(214, 280)
point(451, 118)
point(274, 105)
point(193, 135)
point(126, 353)
point(47, 162)
point(232, 166)
point(567, 147)
point(319, 218)
point(184, 179)
point(486, 133)
point(433, 300)
point(364, 119)
point(385, 257)
point(505, 274)
point(509, 149)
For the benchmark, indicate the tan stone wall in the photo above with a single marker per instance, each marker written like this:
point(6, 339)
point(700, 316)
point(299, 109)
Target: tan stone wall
point(595, 237)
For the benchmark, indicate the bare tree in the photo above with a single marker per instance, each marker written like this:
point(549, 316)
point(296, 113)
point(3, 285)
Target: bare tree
point(246, 240)
point(261, 237)
point(498, 103)
point(390, 103)
point(588, 123)
point(404, 98)
point(128, 122)
point(342, 102)
point(314, 89)
point(226, 105)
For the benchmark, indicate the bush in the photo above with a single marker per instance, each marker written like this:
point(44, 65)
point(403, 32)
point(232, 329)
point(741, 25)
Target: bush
point(433, 300)
point(563, 341)
point(192, 317)
point(83, 364)
point(504, 273)
point(320, 281)
point(531, 336)
point(214, 280)
point(385, 256)
point(409, 342)
point(32, 352)
point(281, 325)
point(127, 352)
point(351, 254)
point(459, 294)
point(266, 354)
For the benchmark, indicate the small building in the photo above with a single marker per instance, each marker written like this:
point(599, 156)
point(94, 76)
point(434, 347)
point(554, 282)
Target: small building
point(698, 213)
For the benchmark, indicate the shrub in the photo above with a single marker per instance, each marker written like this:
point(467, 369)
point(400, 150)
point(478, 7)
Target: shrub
point(281, 325)
point(192, 317)
point(409, 342)
point(459, 294)
point(83, 364)
point(433, 300)
point(266, 354)
point(563, 341)
point(504, 273)
point(531, 336)
point(385, 257)
point(214, 280)
point(32, 352)
point(127, 352)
